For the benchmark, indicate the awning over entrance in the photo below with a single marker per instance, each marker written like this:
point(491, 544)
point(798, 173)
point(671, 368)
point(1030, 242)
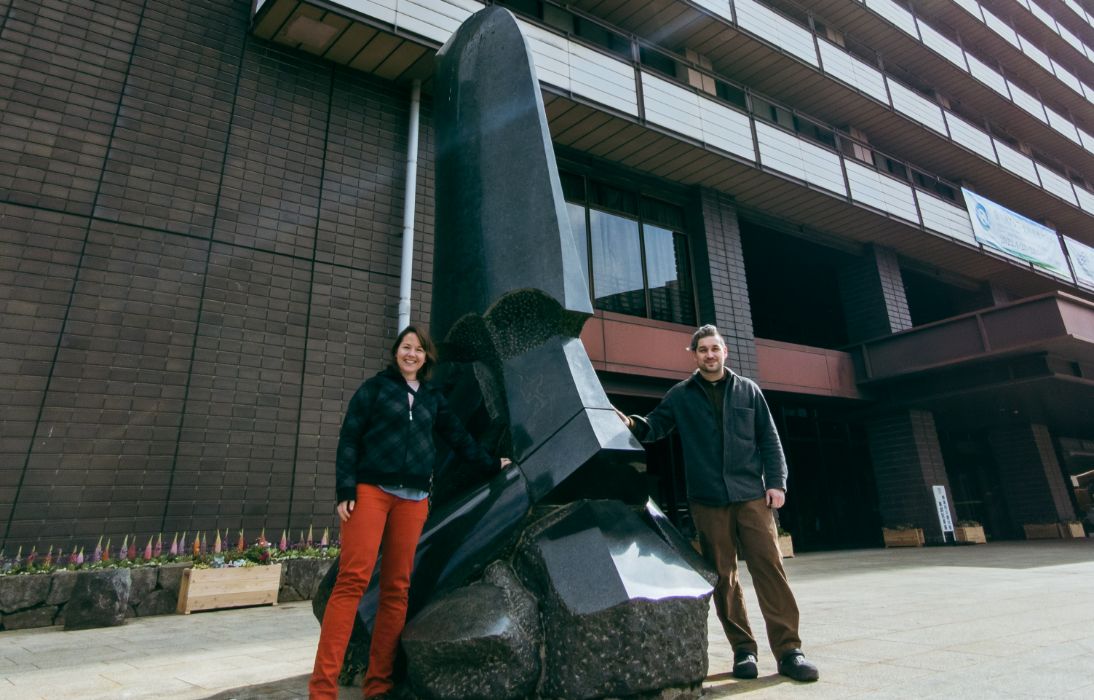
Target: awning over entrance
point(1031, 359)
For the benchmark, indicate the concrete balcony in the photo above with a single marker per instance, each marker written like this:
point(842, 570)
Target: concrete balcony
point(1032, 358)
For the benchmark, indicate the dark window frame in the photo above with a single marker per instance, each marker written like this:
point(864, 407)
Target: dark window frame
point(642, 218)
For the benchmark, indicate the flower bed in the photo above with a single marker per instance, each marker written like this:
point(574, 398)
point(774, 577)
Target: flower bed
point(34, 590)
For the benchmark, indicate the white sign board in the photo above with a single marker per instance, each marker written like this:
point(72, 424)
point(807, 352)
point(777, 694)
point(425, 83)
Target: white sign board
point(943, 504)
point(1014, 235)
point(1082, 261)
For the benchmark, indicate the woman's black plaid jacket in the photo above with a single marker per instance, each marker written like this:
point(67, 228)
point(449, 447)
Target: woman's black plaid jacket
point(384, 442)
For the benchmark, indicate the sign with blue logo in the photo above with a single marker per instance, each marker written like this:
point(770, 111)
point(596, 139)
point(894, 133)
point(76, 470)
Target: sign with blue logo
point(1082, 261)
point(1014, 235)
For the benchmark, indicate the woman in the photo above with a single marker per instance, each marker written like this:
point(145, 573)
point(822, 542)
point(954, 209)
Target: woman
point(384, 471)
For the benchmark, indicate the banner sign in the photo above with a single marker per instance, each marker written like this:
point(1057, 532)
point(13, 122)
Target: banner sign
point(942, 502)
point(1082, 261)
point(1011, 233)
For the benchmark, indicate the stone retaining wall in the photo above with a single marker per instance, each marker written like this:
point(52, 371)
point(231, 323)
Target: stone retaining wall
point(38, 600)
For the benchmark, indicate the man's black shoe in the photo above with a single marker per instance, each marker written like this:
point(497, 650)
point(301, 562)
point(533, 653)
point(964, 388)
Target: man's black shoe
point(793, 665)
point(744, 664)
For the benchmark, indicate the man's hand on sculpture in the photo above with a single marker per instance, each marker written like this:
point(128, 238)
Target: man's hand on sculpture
point(505, 462)
point(627, 420)
point(775, 498)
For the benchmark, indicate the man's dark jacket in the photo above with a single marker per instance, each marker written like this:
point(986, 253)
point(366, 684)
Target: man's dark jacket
point(384, 442)
point(751, 459)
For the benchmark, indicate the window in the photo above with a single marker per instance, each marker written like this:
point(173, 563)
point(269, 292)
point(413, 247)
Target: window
point(657, 61)
point(635, 248)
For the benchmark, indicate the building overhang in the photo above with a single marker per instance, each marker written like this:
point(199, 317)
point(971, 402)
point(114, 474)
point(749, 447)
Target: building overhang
point(644, 357)
point(1030, 360)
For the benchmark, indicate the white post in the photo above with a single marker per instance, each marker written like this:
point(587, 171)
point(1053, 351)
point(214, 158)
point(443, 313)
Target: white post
point(408, 206)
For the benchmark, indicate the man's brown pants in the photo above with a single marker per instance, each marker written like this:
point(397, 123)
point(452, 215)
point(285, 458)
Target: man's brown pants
point(752, 524)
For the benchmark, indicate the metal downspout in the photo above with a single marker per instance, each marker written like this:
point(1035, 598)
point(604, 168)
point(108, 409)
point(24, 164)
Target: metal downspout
point(408, 205)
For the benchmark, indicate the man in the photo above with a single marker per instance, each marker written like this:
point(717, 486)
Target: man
point(736, 475)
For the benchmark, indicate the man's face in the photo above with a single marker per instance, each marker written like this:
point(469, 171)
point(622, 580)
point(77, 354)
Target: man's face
point(710, 354)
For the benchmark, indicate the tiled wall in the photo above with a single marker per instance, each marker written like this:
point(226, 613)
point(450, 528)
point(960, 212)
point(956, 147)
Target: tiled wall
point(199, 255)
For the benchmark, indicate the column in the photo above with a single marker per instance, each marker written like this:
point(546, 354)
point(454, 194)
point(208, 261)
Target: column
point(907, 464)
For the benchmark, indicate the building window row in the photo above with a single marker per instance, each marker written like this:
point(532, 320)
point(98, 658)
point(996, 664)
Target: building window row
point(695, 70)
point(634, 250)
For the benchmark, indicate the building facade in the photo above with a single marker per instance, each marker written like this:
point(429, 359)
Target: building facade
point(887, 207)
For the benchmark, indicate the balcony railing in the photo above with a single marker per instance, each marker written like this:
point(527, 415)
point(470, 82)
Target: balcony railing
point(603, 66)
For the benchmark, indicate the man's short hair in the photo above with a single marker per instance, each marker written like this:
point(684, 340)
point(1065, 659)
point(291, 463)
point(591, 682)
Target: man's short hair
point(705, 332)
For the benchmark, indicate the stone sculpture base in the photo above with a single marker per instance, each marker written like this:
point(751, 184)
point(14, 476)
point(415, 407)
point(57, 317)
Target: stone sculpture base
point(593, 603)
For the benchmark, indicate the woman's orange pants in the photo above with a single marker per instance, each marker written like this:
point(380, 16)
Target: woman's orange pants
point(379, 520)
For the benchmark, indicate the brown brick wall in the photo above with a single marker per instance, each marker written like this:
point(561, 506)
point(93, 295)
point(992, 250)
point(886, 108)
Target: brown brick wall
point(200, 237)
point(907, 462)
point(872, 291)
point(729, 285)
point(1030, 474)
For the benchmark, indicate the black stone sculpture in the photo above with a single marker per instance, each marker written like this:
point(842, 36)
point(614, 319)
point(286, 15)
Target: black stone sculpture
point(509, 301)
point(623, 612)
point(479, 641)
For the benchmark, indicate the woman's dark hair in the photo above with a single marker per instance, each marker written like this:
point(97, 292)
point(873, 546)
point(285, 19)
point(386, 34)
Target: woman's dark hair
point(427, 345)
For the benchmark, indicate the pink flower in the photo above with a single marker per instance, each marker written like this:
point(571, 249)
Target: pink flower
point(148, 549)
point(217, 544)
point(158, 549)
point(97, 555)
point(284, 544)
point(132, 552)
point(175, 545)
point(326, 537)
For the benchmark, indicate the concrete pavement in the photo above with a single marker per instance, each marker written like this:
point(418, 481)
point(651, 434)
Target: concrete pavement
point(1013, 620)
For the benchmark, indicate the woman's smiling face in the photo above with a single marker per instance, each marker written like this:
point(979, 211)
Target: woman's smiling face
point(410, 356)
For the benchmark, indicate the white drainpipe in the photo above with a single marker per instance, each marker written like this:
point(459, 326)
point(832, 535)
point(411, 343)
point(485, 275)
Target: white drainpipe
point(408, 205)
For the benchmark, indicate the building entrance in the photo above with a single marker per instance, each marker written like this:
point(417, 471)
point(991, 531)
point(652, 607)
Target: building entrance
point(831, 496)
point(975, 483)
point(832, 500)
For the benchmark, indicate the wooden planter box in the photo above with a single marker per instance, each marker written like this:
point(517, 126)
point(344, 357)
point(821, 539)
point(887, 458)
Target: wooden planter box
point(973, 534)
point(1042, 531)
point(903, 538)
point(1072, 530)
point(210, 589)
point(786, 546)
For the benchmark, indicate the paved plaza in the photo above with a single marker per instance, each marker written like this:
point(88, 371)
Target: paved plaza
point(1010, 620)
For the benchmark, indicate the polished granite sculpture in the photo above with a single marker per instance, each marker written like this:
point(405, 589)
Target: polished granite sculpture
point(509, 301)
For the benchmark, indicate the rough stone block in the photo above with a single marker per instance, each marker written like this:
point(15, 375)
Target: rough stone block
point(170, 577)
point(99, 599)
point(158, 602)
point(623, 612)
point(480, 641)
point(22, 592)
point(144, 582)
point(60, 589)
point(300, 578)
point(38, 617)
